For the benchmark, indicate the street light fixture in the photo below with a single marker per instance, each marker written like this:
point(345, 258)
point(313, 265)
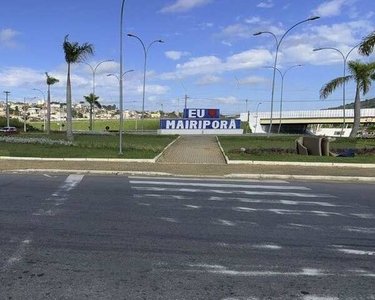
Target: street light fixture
point(145, 50)
point(45, 113)
point(120, 79)
point(278, 42)
point(282, 89)
point(345, 58)
point(7, 106)
point(93, 69)
point(256, 123)
point(24, 111)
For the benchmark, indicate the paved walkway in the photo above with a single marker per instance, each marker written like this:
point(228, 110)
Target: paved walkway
point(193, 149)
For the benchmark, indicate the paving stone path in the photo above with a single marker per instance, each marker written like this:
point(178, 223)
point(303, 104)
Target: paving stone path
point(193, 149)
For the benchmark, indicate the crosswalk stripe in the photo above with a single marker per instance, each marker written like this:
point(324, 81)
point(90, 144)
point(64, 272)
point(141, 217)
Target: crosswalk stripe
point(228, 192)
point(171, 179)
point(221, 185)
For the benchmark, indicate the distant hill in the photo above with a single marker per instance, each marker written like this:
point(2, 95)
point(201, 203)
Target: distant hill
point(370, 103)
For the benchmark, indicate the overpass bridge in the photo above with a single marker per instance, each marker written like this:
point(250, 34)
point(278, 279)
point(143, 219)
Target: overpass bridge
point(298, 121)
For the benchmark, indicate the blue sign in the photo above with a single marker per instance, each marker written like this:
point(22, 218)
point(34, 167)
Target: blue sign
point(201, 113)
point(200, 124)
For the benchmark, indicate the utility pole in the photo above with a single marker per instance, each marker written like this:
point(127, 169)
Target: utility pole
point(248, 116)
point(7, 108)
point(186, 97)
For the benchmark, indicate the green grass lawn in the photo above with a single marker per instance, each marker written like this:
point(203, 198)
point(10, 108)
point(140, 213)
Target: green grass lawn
point(282, 148)
point(89, 146)
point(100, 125)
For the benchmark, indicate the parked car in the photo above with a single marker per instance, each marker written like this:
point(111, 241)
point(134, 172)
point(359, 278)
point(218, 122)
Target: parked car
point(9, 129)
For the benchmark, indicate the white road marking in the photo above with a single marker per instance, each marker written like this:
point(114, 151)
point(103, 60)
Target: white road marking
point(226, 223)
point(60, 196)
point(71, 182)
point(161, 196)
point(313, 297)
point(228, 192)
point(266, 201)
point(303, 226)
point(17, 255)
point(288, 211)
point(364, 216)
point(356, 252)
point(210, 180)
point(193, 206)
point(222, 185)
point(359, 229)
point(268, 246)
point(169, 220)
point(42, 212)
point(250, 246)
point(309, 272)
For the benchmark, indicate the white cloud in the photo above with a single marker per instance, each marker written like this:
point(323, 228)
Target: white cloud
point(226, 43)
point(209, 65)
point(227, 100)
point(208, 79)
point(343, 33)
point(176, 55)
point(253, 20)
point(25, 77)
point(153, 89)
point(331, 8)
point(266, 4)
point(246, 31)
point(7, 37)
point(183, 6)
point(252, 80)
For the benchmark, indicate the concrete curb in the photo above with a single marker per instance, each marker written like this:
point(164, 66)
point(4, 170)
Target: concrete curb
point(100, 172)
point(229, 162)
point(165, 149)
point(303, 177)
point(306, 164)
point(80, 159)
point(228, 176)
point(222, 151)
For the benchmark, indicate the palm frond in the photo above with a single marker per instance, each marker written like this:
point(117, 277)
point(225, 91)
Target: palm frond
point(51, 80)
point(331, 86)
point(367, 45)
point(76, 53)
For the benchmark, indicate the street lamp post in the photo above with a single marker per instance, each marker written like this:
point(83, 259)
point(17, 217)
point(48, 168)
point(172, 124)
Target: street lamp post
point(121, 78)
point(7, 106)
point(93, 70)
point(256, 123)
point(282, 90)
point(345, 59)
point(145, 50)
point(278, 42)
point(44, 106)
point(24, 112)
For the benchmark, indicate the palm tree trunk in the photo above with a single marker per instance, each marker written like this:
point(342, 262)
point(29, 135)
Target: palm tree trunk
point(49, 110)
point(357, 113)
point(91, 107)
point(69, 129)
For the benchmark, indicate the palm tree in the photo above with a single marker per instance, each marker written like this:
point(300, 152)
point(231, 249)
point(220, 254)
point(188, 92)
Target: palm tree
point(93, 101)
point(367, 45)
point(362, 74)
point(50, 81)
point(74, 53)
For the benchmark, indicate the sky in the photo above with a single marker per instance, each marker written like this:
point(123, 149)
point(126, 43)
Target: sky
point(209, 51)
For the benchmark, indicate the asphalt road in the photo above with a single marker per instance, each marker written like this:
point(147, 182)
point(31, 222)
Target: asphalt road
point(117, 237)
